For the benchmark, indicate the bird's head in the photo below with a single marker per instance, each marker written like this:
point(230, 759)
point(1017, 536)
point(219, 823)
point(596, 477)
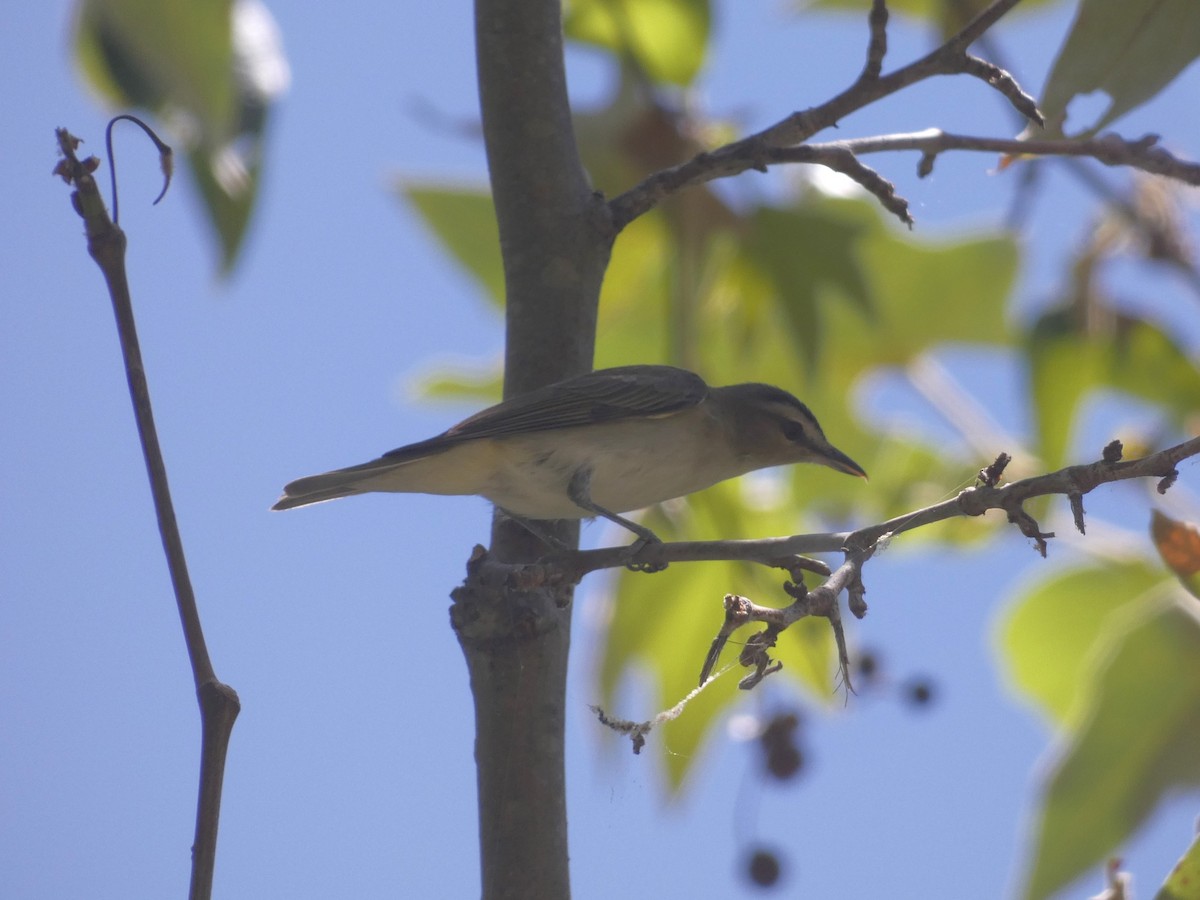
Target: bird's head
point(770, 427)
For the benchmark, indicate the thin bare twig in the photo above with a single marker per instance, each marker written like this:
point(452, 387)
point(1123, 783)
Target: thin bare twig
point(1144, 153)
point(166, 159)
point(750, 152)
point(1002, 81)
point(877, 46)
point(219, 705)
point(1078, 479)
point(842, 156)
point(841, 159)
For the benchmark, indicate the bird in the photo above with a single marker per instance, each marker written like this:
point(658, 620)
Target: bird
point(600, 444)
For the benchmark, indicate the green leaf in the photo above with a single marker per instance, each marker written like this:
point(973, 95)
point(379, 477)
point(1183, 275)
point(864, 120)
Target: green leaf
point(807, 254)
point(1184, 880)
point(1054, 628)
point(479, 388)
point(1129, 49)
point(666, 39)
point(1068, 361)
point(1136, 742)
point(853, 295)
point(154, 54)
point(229, 197)
point(464, 221)
point(213, 68)
point(633, 319)
point(963, 286)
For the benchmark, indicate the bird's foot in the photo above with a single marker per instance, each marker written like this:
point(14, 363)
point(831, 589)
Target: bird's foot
point(634, 550)
point(578, 491)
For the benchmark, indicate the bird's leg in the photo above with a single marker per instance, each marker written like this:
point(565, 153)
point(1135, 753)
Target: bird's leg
point(579, 490)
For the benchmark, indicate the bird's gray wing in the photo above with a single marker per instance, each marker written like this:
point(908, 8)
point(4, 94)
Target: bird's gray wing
point(605, 396)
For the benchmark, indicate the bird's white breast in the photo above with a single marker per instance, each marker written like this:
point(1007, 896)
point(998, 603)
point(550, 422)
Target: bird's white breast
point(632, 464)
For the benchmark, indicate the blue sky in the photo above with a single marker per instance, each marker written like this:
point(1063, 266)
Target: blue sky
point(350, 772)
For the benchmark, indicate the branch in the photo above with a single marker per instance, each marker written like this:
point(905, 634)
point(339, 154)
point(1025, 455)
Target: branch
point(842, 156)
point(555, 243)
point(1111, 149)
point(219, 704)
point(753, 152)
point(859, 546)
point(877, 46)
point(839, 157)
point(1070, 481)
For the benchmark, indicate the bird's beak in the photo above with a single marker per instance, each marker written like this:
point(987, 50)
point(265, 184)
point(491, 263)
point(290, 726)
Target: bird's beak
point(836, 459)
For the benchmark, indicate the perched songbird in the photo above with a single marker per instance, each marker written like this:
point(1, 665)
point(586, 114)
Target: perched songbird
point(597, 445)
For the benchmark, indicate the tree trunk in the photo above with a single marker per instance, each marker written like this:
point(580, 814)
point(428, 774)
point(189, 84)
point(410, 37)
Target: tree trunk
point(555, 240)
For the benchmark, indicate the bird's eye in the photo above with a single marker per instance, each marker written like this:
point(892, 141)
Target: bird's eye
point(793, 431)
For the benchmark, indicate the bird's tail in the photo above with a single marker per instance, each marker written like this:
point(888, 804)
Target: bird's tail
point(425, 468)
point(326, 486)
point(331, 485)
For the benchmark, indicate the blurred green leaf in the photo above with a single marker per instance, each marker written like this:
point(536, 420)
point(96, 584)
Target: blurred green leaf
point(1053, 628)
point(229, 209)
point(212, 70)
point(1136, 741)
point(633, 324)
point(1067, 362)
point(807, 254)
point(1184, 881)
point(638, 132)
point(905, 475)
point(665, 39)
point(154, 54)
point(1129, 49)
point(479, 388)
point(464, 221)
point(867, 292)
point(961, 285)
point(1178, 544)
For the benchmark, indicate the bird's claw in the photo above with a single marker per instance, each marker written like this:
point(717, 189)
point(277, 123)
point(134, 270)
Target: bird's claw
point(635, 549)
